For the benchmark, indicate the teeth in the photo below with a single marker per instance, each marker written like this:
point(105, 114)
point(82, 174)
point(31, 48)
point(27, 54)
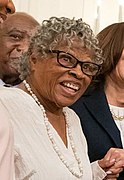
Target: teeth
point(72, 86)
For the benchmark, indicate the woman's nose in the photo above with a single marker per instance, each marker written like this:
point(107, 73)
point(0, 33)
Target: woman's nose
point(77, 72)
point(10, 8)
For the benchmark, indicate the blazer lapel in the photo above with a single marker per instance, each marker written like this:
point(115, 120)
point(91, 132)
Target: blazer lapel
point(98, 106)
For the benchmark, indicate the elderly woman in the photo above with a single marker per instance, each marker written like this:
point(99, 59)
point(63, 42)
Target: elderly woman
point(62, 58)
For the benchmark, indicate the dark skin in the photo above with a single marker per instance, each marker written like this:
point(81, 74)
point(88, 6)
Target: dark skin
point(6, 7)
point(55, 94)
point(14, 41)
point(48, 81)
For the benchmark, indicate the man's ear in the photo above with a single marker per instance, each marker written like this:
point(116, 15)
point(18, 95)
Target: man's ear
point(33, 60)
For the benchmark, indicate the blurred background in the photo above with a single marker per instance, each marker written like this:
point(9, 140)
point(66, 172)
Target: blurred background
point(97, 13)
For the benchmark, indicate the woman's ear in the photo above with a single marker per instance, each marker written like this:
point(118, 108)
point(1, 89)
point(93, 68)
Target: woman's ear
point(33, 61)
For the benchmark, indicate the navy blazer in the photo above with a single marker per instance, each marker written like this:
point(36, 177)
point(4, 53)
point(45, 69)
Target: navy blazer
point(98, 125)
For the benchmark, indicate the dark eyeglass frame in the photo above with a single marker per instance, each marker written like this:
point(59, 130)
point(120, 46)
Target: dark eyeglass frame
point(77, 62)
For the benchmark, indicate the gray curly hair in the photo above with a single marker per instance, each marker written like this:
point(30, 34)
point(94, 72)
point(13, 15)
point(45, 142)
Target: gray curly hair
point(54, 31)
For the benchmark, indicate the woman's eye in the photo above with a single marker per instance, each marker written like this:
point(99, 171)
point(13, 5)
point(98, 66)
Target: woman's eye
point(66, 58)
point(86, 66)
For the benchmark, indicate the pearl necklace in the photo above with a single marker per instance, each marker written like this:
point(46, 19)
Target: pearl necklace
point(46, 121)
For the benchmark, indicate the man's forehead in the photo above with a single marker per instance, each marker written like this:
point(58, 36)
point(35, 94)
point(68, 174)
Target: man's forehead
point(10, 26)
point(10, 21)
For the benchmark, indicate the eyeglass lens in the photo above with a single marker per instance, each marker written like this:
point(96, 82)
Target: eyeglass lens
point(69, 61)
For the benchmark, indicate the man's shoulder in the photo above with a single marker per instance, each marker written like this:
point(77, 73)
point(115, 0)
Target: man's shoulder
point(1, 83)
point(9, 93)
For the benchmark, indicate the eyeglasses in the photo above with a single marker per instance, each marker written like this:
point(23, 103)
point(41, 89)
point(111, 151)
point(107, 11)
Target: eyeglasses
point(69, 61)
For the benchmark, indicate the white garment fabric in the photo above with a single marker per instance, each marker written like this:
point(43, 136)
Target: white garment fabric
point(1, 82)
point(35, 158)
point(6, 147)
point(119, 111)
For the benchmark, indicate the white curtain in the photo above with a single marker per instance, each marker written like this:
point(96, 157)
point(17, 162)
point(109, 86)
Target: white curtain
point(97, 13)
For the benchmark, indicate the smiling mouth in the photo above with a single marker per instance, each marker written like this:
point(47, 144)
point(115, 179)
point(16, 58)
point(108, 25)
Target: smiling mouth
point(71, 85)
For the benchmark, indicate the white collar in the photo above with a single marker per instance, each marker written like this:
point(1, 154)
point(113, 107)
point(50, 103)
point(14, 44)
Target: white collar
point(1, 82)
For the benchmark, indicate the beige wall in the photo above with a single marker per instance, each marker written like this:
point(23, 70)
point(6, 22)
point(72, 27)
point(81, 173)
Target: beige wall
point(86, 9)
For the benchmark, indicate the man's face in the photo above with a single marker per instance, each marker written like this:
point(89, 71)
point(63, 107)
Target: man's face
point(14, 39)
point(6, 7)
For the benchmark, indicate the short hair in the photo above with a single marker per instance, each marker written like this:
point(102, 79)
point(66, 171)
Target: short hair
point(56, 30)
point(111, 41)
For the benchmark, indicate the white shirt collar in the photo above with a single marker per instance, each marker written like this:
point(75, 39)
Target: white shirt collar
point(1, 82)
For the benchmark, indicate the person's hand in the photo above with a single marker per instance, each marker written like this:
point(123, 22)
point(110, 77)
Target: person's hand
point(111, 177)
point(112, 163)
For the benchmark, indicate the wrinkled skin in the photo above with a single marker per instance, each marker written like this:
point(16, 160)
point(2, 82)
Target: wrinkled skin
point(50, 79)
point(113, 163)
point(6, 7)
point(14, 41)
